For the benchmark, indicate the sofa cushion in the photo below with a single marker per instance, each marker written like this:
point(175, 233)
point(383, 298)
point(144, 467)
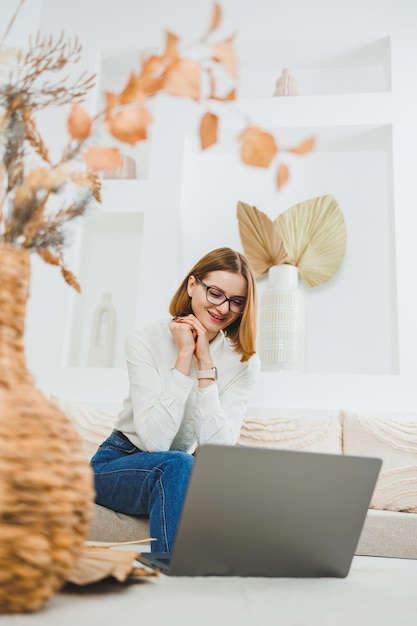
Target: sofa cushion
point(93, 424)
point(395, 442)
point(389, 534)
point(322, 434)
point(108, 525)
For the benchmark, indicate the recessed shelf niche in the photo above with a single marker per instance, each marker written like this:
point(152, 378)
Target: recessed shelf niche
point(109, 261)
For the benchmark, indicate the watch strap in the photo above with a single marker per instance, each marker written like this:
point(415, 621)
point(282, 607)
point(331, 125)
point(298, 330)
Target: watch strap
point(208, 374)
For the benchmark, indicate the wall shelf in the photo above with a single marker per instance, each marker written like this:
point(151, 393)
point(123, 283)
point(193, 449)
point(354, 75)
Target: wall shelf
point(320, 66)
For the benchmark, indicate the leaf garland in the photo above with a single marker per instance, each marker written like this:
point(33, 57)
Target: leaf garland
point(26, 219)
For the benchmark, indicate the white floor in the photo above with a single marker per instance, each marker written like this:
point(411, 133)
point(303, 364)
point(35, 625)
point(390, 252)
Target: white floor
point(376, 591)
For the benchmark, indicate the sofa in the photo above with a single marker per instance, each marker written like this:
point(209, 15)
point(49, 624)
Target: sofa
point(390, 528)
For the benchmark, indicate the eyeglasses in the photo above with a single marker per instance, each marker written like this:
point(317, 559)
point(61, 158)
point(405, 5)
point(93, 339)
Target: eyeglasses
point(217, 297)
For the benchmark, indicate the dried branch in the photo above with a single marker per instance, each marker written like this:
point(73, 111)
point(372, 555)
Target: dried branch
point(12, 21)
point(34, 138)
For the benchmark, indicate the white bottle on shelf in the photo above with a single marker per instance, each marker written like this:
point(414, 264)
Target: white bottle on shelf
point(102, 334)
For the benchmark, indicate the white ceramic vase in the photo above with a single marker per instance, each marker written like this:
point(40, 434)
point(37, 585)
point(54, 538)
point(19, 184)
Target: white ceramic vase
point(102, 334)
point(282, 321)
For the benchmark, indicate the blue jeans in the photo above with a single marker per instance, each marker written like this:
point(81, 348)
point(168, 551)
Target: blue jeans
point(130, 481)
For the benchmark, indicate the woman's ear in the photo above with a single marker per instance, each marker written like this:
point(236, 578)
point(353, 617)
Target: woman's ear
point(191, 284)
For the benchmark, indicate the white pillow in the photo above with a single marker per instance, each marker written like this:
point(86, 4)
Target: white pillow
point(395, 442)
point(93, 425)
point(293, 433)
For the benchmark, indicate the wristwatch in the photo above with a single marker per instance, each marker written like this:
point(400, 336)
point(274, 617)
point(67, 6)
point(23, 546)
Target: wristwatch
point(210, 374)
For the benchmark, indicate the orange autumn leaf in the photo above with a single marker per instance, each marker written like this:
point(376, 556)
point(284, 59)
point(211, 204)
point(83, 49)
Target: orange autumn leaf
point(171, 46)
point(79, 123)
point(212, 85)
point(216, 17)
point(227, 98)
point(151, 78)
point(153, 66)
point(282, 175)
point(130, 124)
point(212, 82)
point(112, 101)
point(101, 158)
point(70, 279)
point(304, 147)
point(224, 53)
point(208, 130)
point(130, 91)
point(183, 79)
point(257, 148)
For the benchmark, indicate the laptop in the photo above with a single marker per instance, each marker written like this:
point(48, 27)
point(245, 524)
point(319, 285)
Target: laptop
point(267, 512)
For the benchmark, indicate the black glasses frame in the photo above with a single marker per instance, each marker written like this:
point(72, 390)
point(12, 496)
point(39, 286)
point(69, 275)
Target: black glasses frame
point(231, 301)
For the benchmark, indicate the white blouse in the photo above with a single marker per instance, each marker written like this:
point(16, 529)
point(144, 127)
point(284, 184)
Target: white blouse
point(166, 410)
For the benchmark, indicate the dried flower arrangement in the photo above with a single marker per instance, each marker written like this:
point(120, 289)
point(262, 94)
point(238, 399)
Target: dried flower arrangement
point(28, 218)
point(310, 235)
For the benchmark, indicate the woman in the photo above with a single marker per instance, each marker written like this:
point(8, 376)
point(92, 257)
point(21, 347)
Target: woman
point(190, 379)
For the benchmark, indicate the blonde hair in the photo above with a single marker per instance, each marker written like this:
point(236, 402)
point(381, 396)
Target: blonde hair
point(242, 332)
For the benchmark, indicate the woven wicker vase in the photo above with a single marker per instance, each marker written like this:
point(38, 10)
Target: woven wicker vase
point(46, 484)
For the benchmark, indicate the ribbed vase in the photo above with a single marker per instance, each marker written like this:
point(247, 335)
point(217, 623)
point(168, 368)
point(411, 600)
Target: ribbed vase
point(46, 485)
point(282, 321)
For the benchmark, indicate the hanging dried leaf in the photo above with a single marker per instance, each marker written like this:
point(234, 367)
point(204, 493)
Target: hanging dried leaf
point(48, 257)
point(130, 124)
point(183, 79)
point(282, 175)
point(171, 46)
point(147, 83)
point(208, 130)
point(257, 148)
point(212, 82)
point(216, 17)
point(79, 123)
point(54, 259)
point(304, 147)
point(227, 98)
point(101, 158)
point(261, 240)
point(112, 101)
point(314, 235)
point(129, 93)
point(70, 279)
point(224, 53)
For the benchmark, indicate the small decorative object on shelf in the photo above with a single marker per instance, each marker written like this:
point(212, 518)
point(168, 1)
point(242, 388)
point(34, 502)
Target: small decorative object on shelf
point(282, 323)
point(307, 240)
point(126, 171)
point(286, 85)
point(102, 334)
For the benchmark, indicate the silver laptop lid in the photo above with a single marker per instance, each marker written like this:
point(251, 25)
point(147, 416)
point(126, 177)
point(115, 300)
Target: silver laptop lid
point(258, 512)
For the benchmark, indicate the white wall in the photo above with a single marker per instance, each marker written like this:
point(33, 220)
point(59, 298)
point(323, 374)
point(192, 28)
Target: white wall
point(362, 334)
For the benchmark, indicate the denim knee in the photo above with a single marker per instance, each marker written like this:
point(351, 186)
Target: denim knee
point(178, 464)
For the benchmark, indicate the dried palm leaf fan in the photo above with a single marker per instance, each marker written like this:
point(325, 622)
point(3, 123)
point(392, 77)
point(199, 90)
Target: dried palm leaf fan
point(314, 235)
point(101, 560)
point(262, 241)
